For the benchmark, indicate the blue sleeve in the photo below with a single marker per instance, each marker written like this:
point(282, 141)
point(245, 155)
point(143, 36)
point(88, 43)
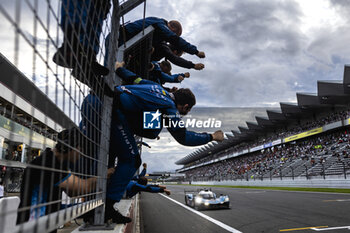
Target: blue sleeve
point(147, 188)
point(126, 75)
point(185, 137)
point(166, 78)
point(143, 172)
point(62, 180)
point(131, 78)
point(175, 40)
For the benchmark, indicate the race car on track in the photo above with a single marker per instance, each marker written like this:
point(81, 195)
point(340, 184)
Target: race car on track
point(206, 199)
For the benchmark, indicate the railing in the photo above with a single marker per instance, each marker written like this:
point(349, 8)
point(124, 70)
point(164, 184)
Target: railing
point(340, 170)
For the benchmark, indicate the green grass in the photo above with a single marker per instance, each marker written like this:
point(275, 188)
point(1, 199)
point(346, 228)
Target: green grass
point(326, 190)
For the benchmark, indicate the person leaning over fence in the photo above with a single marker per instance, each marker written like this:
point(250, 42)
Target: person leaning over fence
point(172, 54)
point(160, 73)
point(163, 31)
point(49, 174)
point(142, 173)
point(129, 104)
point(139, 184)
point(81, 22)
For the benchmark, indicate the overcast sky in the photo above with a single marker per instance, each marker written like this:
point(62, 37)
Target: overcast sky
point(258, 53)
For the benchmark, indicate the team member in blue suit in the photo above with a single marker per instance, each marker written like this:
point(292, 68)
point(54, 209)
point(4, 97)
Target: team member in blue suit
point(130, 102)
point(142, 173)
point(160, 73)
point(141, 186)
point(81, 22)
point(164, 31)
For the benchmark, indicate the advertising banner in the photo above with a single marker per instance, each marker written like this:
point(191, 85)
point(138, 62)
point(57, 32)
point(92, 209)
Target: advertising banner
point(304, 134)
point(277, 142)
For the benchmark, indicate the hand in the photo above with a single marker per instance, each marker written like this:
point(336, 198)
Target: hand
point(119, 64)
point(218, 136)
point(173, 89)
point(110, 171)
point(180, 78)
point(198, 66)
point(200, 54)
point(187, 75)
point(167, 192)
point(144, 165)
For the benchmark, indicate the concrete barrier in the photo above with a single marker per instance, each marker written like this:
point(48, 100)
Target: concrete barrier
point(311, 183)
point(127, 207)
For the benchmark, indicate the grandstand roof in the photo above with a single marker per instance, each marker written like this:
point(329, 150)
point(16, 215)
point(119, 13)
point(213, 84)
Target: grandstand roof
point(330, 93)
point(26, 89)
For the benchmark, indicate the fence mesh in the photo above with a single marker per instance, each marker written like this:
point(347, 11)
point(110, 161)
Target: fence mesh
point(52, 56)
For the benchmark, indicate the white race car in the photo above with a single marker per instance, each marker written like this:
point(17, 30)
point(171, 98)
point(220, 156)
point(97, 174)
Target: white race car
point(206, 199)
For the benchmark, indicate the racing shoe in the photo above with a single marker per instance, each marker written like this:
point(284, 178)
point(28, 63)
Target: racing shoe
point(88, 77)
point(118, 218)
point(63, 57)
point(112, 213)
point(99, 69)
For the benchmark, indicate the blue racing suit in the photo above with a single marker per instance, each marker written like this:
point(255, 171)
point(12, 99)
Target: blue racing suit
point(82, 20)
point(161, 33)
point(127, 120)
point(142, 174)
point(158, 76)
point(133, 188)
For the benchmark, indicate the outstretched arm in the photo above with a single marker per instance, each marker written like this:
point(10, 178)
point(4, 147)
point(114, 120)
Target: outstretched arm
point(75, 185)
point(175, 78)
point(186, 137)
point(150, 189)
point(129, 77)
point(177, 41)
point(177, 60)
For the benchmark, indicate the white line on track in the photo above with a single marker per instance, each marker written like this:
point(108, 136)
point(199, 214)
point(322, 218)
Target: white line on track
point(256, 192)
point(220, 224)
point(331, 228)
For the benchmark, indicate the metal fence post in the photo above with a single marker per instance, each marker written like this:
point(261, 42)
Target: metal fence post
point(344, 169)
point(106, 115)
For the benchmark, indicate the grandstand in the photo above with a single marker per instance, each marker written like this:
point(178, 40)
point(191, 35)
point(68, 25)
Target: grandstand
point(307, 139)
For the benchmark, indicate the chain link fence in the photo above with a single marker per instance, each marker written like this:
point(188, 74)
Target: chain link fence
point(53, 138)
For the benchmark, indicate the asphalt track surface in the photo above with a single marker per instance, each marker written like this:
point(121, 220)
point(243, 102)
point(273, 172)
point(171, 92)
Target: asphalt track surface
point(252, 211)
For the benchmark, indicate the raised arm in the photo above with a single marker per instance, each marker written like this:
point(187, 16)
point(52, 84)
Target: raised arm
point(74, 185)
